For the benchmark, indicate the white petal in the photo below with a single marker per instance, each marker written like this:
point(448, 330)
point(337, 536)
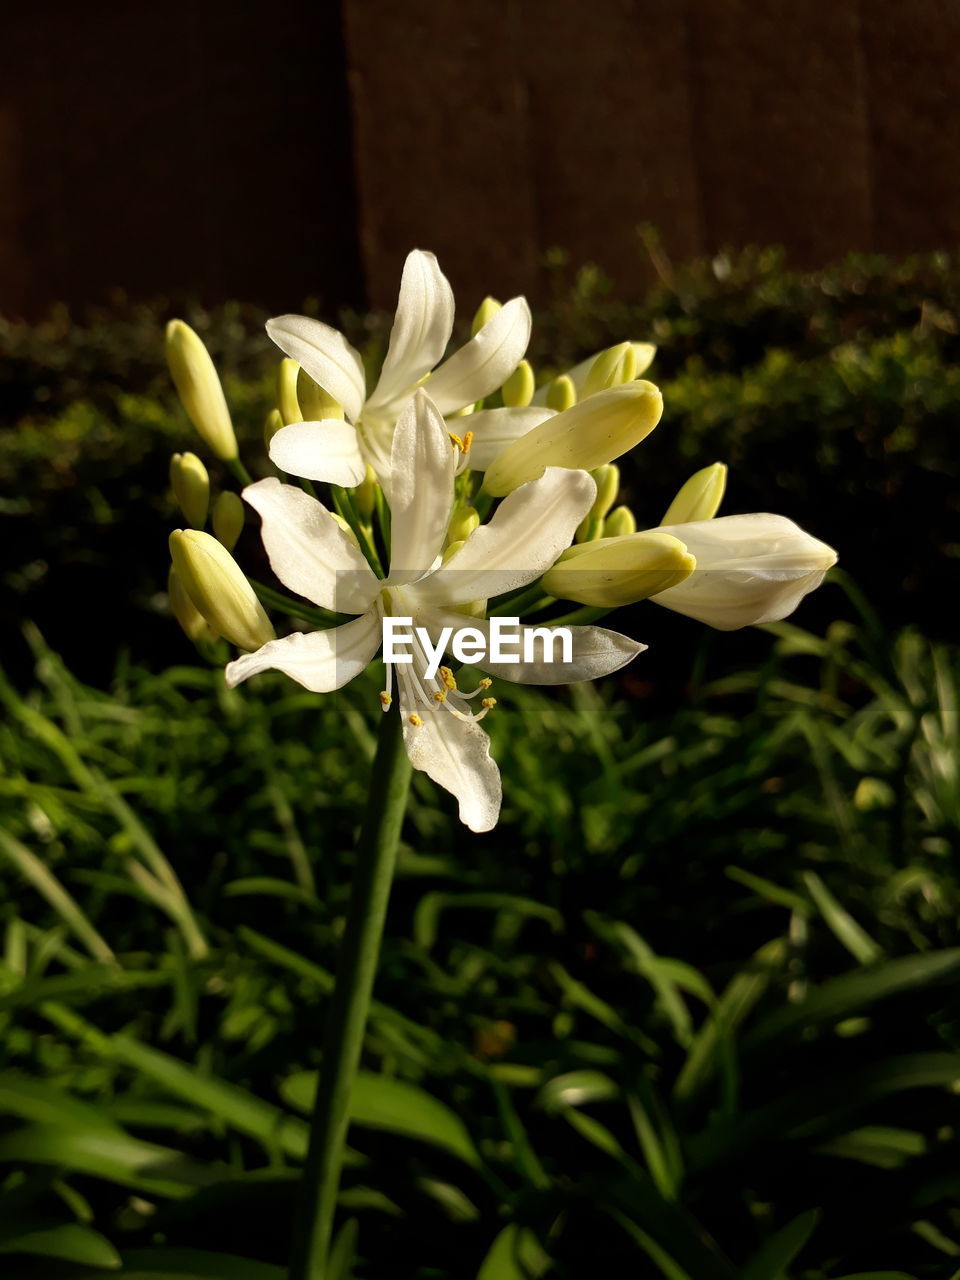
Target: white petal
point(327, 357)
point(494, 429)
point(308, 550)
point(750, 569)
point(421, 329)
point(485, 362)
point(421, 489)
point(319, 660)
point(327, 450)
point(596, 651)
point(456, 755)
point(528, 531)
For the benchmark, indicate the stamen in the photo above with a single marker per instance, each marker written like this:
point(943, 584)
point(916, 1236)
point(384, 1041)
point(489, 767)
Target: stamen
point(488, 703)
point(385, 699)
point(440, 695)
point(448, 678)
point(467, 442)
point(485, 683)
point(456, 441)
point(415, 720)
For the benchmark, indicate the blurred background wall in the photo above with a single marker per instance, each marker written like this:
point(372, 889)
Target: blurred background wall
point(244, 149)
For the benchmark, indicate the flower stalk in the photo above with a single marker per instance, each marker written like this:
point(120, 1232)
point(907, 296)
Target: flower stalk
point(347, 1017)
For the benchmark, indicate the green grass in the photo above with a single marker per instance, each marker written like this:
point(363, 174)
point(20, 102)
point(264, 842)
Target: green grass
point(691, 1011)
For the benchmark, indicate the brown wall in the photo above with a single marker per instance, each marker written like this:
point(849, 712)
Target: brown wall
point(490, 131)
point(197, 146)
point(215, 147)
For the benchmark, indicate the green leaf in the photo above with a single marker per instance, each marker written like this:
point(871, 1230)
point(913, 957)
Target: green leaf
point(851, 992)
point(843, 926)
point(877, 1145)
point(392, 1105)
point(427, 919)
point(515, 1255)
point(193, 1264)
point(70, 1242)
point(241, 1110)
point(775, 1255)
point(344, 1252)
point(111, 1154)
point(575, 1088)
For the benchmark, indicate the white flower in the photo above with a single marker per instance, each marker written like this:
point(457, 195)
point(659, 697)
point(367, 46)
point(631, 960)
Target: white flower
point(312, 556)
point(750, 569)
point(338, 451)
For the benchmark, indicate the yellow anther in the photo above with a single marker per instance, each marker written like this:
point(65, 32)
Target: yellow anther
point(385, 699)
point(456, 441)
point(448, 678)
point(488, 703)
point(486, 682)
point(440, 695)
point(415, 720)
point(467, 442)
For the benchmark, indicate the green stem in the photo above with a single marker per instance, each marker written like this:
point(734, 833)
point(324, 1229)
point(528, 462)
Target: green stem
point(347, 1017)
point(240, 472)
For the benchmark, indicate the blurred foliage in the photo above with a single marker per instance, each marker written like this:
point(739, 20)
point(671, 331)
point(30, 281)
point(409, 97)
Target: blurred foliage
point(832, 394)
point(691, 1008)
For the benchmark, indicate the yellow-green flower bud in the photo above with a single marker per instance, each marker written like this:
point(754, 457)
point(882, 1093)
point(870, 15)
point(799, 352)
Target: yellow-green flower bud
point(288, 372)
point(194, 624)
point(217, 586)
point(272, 425)
point(700, 497)
point(199, 390)
point(592, 433)
point(365, 494)
point(191, 487)
point(561, 393)
point(462, 524)
point(228, 518)
point(619, 522)
point(330, 408)
point(612, 367)
point(314, 403)
point(451, 550)
point(519, 387)
point(607, 479)
point(643, 353)
point(487, 309)
point(611, 572)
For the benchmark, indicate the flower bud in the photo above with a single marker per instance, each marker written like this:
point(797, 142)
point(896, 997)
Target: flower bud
point(561, 394)
point(288, 371)
point(607, 479)
point(191, 487)
point(750, 569)
point(700, 497)
point(612, 367)
point(519, 387)
point(315, 403)
point(462, 524)
point(619, 522)
point(199, 390)
point(365, 494)
point(592, 433)
point(610, 572)
point(643, 354)
point(228, 518)
point(216, 585)
point(270, 428)
point(194, 624)
point(487, 309)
